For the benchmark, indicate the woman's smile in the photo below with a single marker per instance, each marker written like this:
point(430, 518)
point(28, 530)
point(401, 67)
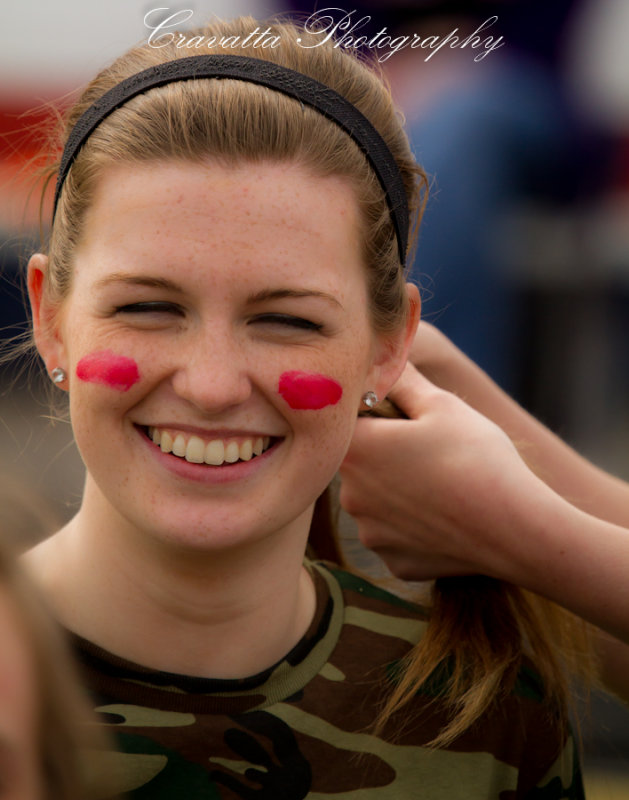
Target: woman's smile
point(219, 342)
point(212, 450)
point(211, 457)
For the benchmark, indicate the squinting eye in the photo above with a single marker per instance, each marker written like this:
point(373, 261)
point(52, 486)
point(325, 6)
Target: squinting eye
point(148, 307)
point(288, 321)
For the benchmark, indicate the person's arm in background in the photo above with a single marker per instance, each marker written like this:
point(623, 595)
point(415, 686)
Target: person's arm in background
point(448, 494)
point(586, 486)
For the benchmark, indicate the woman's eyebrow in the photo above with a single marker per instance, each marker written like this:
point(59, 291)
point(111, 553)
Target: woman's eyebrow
point(279, 294)
point(165, 283)
point(139, 280)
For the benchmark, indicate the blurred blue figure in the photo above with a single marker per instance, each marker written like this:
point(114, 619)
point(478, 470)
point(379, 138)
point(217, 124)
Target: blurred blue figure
point(490, 143)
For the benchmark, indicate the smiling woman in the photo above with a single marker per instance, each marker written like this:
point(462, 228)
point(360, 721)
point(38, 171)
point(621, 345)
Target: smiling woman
point(223, 292)
point(216, 355)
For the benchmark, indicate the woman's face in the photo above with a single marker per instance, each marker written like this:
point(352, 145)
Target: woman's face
point(216, 312)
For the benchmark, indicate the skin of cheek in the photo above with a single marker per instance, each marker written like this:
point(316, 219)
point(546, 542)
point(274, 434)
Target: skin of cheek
point(309, 391)
point(109, 369)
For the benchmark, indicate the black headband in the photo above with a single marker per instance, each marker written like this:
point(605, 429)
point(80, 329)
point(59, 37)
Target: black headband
point(307, 90)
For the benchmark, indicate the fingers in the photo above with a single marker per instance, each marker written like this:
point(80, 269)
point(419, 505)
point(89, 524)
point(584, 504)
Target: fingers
point(352, 496)
point(409, 560)
point(410, 392)
point(413, 394)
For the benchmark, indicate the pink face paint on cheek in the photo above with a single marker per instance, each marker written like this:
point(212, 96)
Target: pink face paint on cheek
point(309, 391)
point(117, 372)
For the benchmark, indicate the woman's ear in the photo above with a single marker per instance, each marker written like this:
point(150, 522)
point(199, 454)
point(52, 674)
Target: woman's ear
point(44, 313)
point(392, 349)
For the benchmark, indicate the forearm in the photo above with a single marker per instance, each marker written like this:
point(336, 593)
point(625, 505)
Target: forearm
point(575, 559)
point(578, 561)
point(562, 468)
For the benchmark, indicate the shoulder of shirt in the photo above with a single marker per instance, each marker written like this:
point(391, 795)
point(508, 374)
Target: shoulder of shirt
point(358, 592)
point(356, 588)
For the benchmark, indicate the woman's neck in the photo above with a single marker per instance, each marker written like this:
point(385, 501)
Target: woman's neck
point(225, 614)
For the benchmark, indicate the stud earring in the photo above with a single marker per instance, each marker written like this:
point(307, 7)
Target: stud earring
point(58, 375)
point(370, 399)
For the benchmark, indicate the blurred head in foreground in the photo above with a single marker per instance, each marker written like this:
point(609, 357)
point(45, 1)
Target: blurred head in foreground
point(43, 737)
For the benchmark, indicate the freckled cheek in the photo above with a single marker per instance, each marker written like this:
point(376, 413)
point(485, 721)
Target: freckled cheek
point(309, 391)
point(108, 369)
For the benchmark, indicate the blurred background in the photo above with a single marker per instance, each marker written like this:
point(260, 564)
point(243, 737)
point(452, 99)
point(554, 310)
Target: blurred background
point(523, 256)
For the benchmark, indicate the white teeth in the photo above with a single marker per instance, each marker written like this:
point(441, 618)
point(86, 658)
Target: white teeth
point(232, 452)
point(246, 450)
point(215, 452)
point(195, 450)
point(179, 445)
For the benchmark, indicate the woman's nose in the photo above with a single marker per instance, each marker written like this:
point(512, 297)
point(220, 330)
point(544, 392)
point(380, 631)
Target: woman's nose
point(213, 373)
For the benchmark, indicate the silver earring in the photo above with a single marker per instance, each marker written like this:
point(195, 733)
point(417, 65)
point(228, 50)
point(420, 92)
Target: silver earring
point(58, 375)
point(370, 399)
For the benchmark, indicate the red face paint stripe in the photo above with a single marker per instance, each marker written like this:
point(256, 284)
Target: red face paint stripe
point(309, 391)
point(117, 372)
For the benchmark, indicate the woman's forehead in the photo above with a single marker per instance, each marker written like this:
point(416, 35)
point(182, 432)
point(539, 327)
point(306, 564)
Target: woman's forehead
point(250, 215)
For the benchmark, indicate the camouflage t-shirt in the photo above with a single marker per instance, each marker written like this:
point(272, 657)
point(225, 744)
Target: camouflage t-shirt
point(303, 728)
